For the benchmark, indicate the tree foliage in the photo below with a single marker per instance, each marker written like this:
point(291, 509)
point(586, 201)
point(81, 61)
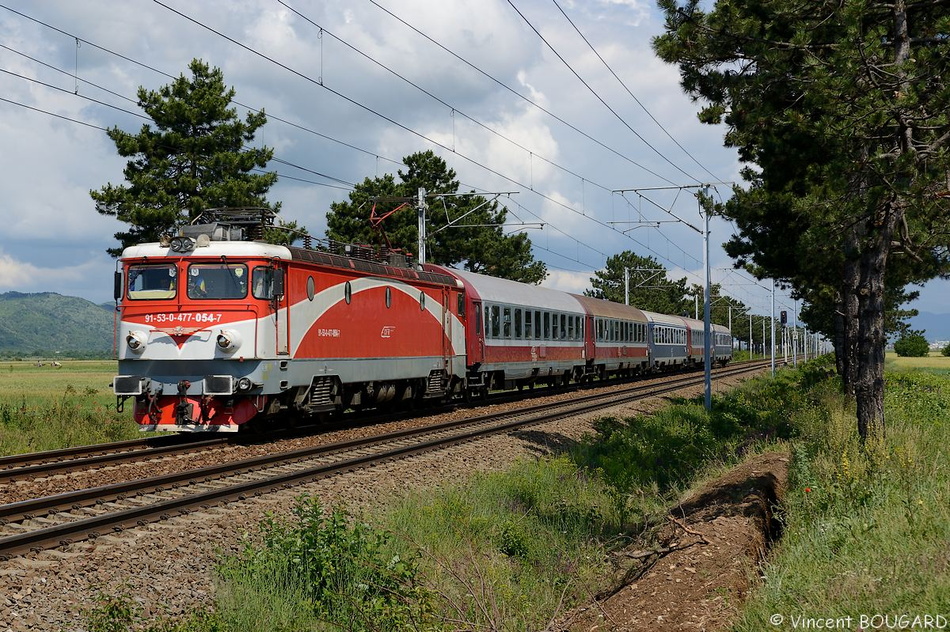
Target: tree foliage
point(194, 158)
point(476, 238)
point(840, 109)
point(650, 288)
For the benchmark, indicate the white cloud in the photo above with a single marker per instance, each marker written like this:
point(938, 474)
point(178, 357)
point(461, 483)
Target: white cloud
point(15, 274)
point(53, 236)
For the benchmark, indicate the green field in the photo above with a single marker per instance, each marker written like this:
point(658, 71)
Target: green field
point(47, 407)
point(936, 362)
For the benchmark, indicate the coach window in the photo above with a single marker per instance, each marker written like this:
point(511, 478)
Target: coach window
point(562, 330)
point(495, 321)
point(547, 325)
point(538, 325)
point(506, 323)
point(517, 322)
point(528, 327)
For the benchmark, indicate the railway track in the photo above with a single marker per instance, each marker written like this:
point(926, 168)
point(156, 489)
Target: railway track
point(82, 458)
point(52, 521)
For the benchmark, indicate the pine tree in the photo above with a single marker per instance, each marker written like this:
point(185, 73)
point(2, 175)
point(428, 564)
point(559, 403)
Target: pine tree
point(841, 108)
point(475, 239)
point(193, 158)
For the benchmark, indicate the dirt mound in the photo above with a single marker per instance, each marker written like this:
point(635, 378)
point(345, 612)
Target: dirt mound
point(699, 573)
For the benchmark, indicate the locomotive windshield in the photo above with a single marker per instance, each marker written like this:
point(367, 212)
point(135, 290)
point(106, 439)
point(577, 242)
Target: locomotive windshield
point(217, 280)
point(157, 281)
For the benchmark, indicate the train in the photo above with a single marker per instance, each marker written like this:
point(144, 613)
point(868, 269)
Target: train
point(218, 330)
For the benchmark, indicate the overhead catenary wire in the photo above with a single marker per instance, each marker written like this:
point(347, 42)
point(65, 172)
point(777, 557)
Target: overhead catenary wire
point(302, 75)
point(601, 99)
point(381, 115)
point(515, 180)
point(508, 88)
point(630, 92)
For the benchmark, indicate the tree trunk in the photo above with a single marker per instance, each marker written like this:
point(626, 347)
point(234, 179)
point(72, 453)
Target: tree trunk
point(869, 374)
point(849, 309)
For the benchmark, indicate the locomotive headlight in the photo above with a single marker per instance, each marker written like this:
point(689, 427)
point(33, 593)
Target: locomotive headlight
point(229, 340)
point(244, 384)
point(182, 244)
point(136, 341)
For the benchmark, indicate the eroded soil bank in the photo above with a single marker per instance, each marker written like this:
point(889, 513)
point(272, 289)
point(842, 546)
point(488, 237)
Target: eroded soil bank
point(699, 572)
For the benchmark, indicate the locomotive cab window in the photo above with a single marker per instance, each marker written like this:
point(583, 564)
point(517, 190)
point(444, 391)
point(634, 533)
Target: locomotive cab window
point(217, 280)
point(152, 281)
point(262, 283)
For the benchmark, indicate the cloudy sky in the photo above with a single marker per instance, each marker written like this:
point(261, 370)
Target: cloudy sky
point(560, 103)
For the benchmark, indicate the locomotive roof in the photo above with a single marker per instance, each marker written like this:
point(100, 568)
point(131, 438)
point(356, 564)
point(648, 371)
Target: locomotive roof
point(609, 309)
point(371, 267)
point(266, 250)
point(213, 249)
point(514, 293)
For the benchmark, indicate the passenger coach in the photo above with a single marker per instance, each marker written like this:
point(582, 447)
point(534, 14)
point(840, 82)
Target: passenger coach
point(520, 334)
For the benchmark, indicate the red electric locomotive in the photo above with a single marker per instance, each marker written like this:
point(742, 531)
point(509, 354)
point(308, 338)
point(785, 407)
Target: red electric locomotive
point(216, 331)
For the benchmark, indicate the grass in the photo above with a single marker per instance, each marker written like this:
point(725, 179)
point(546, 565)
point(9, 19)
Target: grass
point(46, 407)
point(867, 526)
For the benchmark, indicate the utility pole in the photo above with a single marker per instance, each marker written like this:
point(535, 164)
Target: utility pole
point(795, 339)
point(626, 286)
point(421, 210)
point(422, 206)
point(772, 323)
point(704, 231)
point(707, 303)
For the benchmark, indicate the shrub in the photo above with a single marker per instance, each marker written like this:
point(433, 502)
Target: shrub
point(946, 350)
point(327, 567)
point(912, 345)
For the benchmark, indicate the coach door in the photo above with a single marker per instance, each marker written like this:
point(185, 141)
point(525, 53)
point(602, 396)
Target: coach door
point(589, 333)
point(475, 337)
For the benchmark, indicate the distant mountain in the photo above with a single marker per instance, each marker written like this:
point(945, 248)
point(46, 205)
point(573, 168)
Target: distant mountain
point(48, 324)
point(936, 326)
